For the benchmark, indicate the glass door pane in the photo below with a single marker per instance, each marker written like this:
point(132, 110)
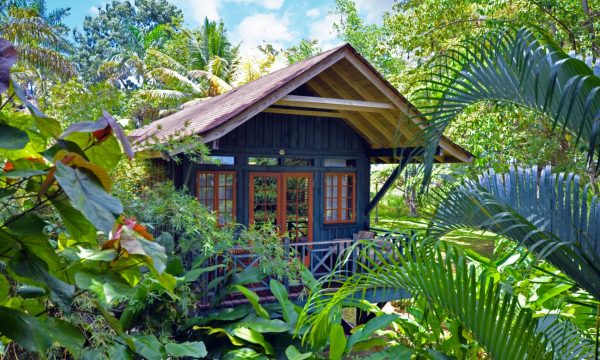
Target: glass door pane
point(264, 190)
point(298, 207)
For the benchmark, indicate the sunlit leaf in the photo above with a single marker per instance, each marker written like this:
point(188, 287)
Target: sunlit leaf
point(253, 337)
point(88, 196)
point(190, 349)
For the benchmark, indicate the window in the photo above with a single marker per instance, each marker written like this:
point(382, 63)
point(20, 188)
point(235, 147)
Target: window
point(218, 160)
point(216, 191)
point(340, 192)
point(351, 163)
point(298, 162)
point(263, 161)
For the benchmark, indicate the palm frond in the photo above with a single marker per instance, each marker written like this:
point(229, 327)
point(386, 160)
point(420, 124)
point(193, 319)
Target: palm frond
point(48, 61)
point(165, 60)
point(25, 27)
point(549, 214)
point(565, 338)
point(444, 278)
point(512, 66)
point(173, 79)
point(161, 94)
point(217, 85)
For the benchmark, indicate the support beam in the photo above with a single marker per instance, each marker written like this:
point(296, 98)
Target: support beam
point(372, 119)
point(396, 152)
point(395, 120)
point(388, 184)
point(410, 111)
point(358, 126)
point(274, 110)
point(313, 102)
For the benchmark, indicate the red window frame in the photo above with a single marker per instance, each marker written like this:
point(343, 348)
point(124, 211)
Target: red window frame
point(215, 193)
point(338, 199)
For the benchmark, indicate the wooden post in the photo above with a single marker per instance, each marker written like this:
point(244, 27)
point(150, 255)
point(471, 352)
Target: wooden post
point(377, 206)
point(388, 184)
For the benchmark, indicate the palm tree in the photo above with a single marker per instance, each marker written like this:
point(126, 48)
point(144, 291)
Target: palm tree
point(41, 47)
point(208, 71)
point(551, 215)
point(512, 67)
point(442, 278)
point(213, 67)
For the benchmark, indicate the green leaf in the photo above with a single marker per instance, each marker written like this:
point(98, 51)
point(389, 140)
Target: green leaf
point(550, 293)
point(66, 335)
point(148, 346)
point(398, 352)
point(29, 230)
point(88, 196)
point(106, 285)
point(4, 288)
point(266, 326)
point(96, 255)
point(214, 330)
point(31, 269)
point(80, 229)
point(337, 342)
point(223, 315)
point(6, 194)
point(364, 333)
point(190, 349)
point(292, 353)
point(254, 300)
point(12, 138)
point(254, 337)
point(287, 307)
point(21, 173)
point(194, 274)
point(119, 352)
point(244, 354)
point(28, 331)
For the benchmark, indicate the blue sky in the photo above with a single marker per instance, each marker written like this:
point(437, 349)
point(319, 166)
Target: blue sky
point(279, 22)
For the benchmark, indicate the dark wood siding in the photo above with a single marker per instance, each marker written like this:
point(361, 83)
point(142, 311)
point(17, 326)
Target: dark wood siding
point(297, 136)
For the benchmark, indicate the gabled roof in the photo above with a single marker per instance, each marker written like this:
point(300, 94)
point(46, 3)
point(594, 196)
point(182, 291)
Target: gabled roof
point(340, 76)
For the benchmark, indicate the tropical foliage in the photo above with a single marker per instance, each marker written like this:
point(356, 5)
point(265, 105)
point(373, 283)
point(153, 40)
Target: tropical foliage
point(82, 276)
point(513, 66)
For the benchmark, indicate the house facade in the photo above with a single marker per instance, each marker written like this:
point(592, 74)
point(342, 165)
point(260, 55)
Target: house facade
point(295, 147)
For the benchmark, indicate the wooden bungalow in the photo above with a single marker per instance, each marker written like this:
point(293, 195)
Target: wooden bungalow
point(295, 147)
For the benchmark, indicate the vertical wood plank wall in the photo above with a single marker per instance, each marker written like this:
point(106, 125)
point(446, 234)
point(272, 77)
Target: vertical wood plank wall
point(300, 137)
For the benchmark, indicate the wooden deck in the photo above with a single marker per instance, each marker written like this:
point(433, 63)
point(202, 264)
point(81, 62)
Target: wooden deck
point(322, 259)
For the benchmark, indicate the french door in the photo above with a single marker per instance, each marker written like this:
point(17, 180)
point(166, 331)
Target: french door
point(284, 200)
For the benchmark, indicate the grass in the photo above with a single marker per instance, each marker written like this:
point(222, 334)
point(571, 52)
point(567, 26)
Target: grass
point(481, 242)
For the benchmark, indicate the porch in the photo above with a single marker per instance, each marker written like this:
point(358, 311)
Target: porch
point(323, 259)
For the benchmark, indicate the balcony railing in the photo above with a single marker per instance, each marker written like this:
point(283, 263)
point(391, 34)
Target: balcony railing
point(323, 259)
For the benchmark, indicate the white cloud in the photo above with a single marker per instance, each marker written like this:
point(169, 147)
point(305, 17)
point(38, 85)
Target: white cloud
point(267, 4)
point(313, 13)
point(373, 10)
point(323, 31)
point(94, 10)
point(198, 10)
point(255, 29)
